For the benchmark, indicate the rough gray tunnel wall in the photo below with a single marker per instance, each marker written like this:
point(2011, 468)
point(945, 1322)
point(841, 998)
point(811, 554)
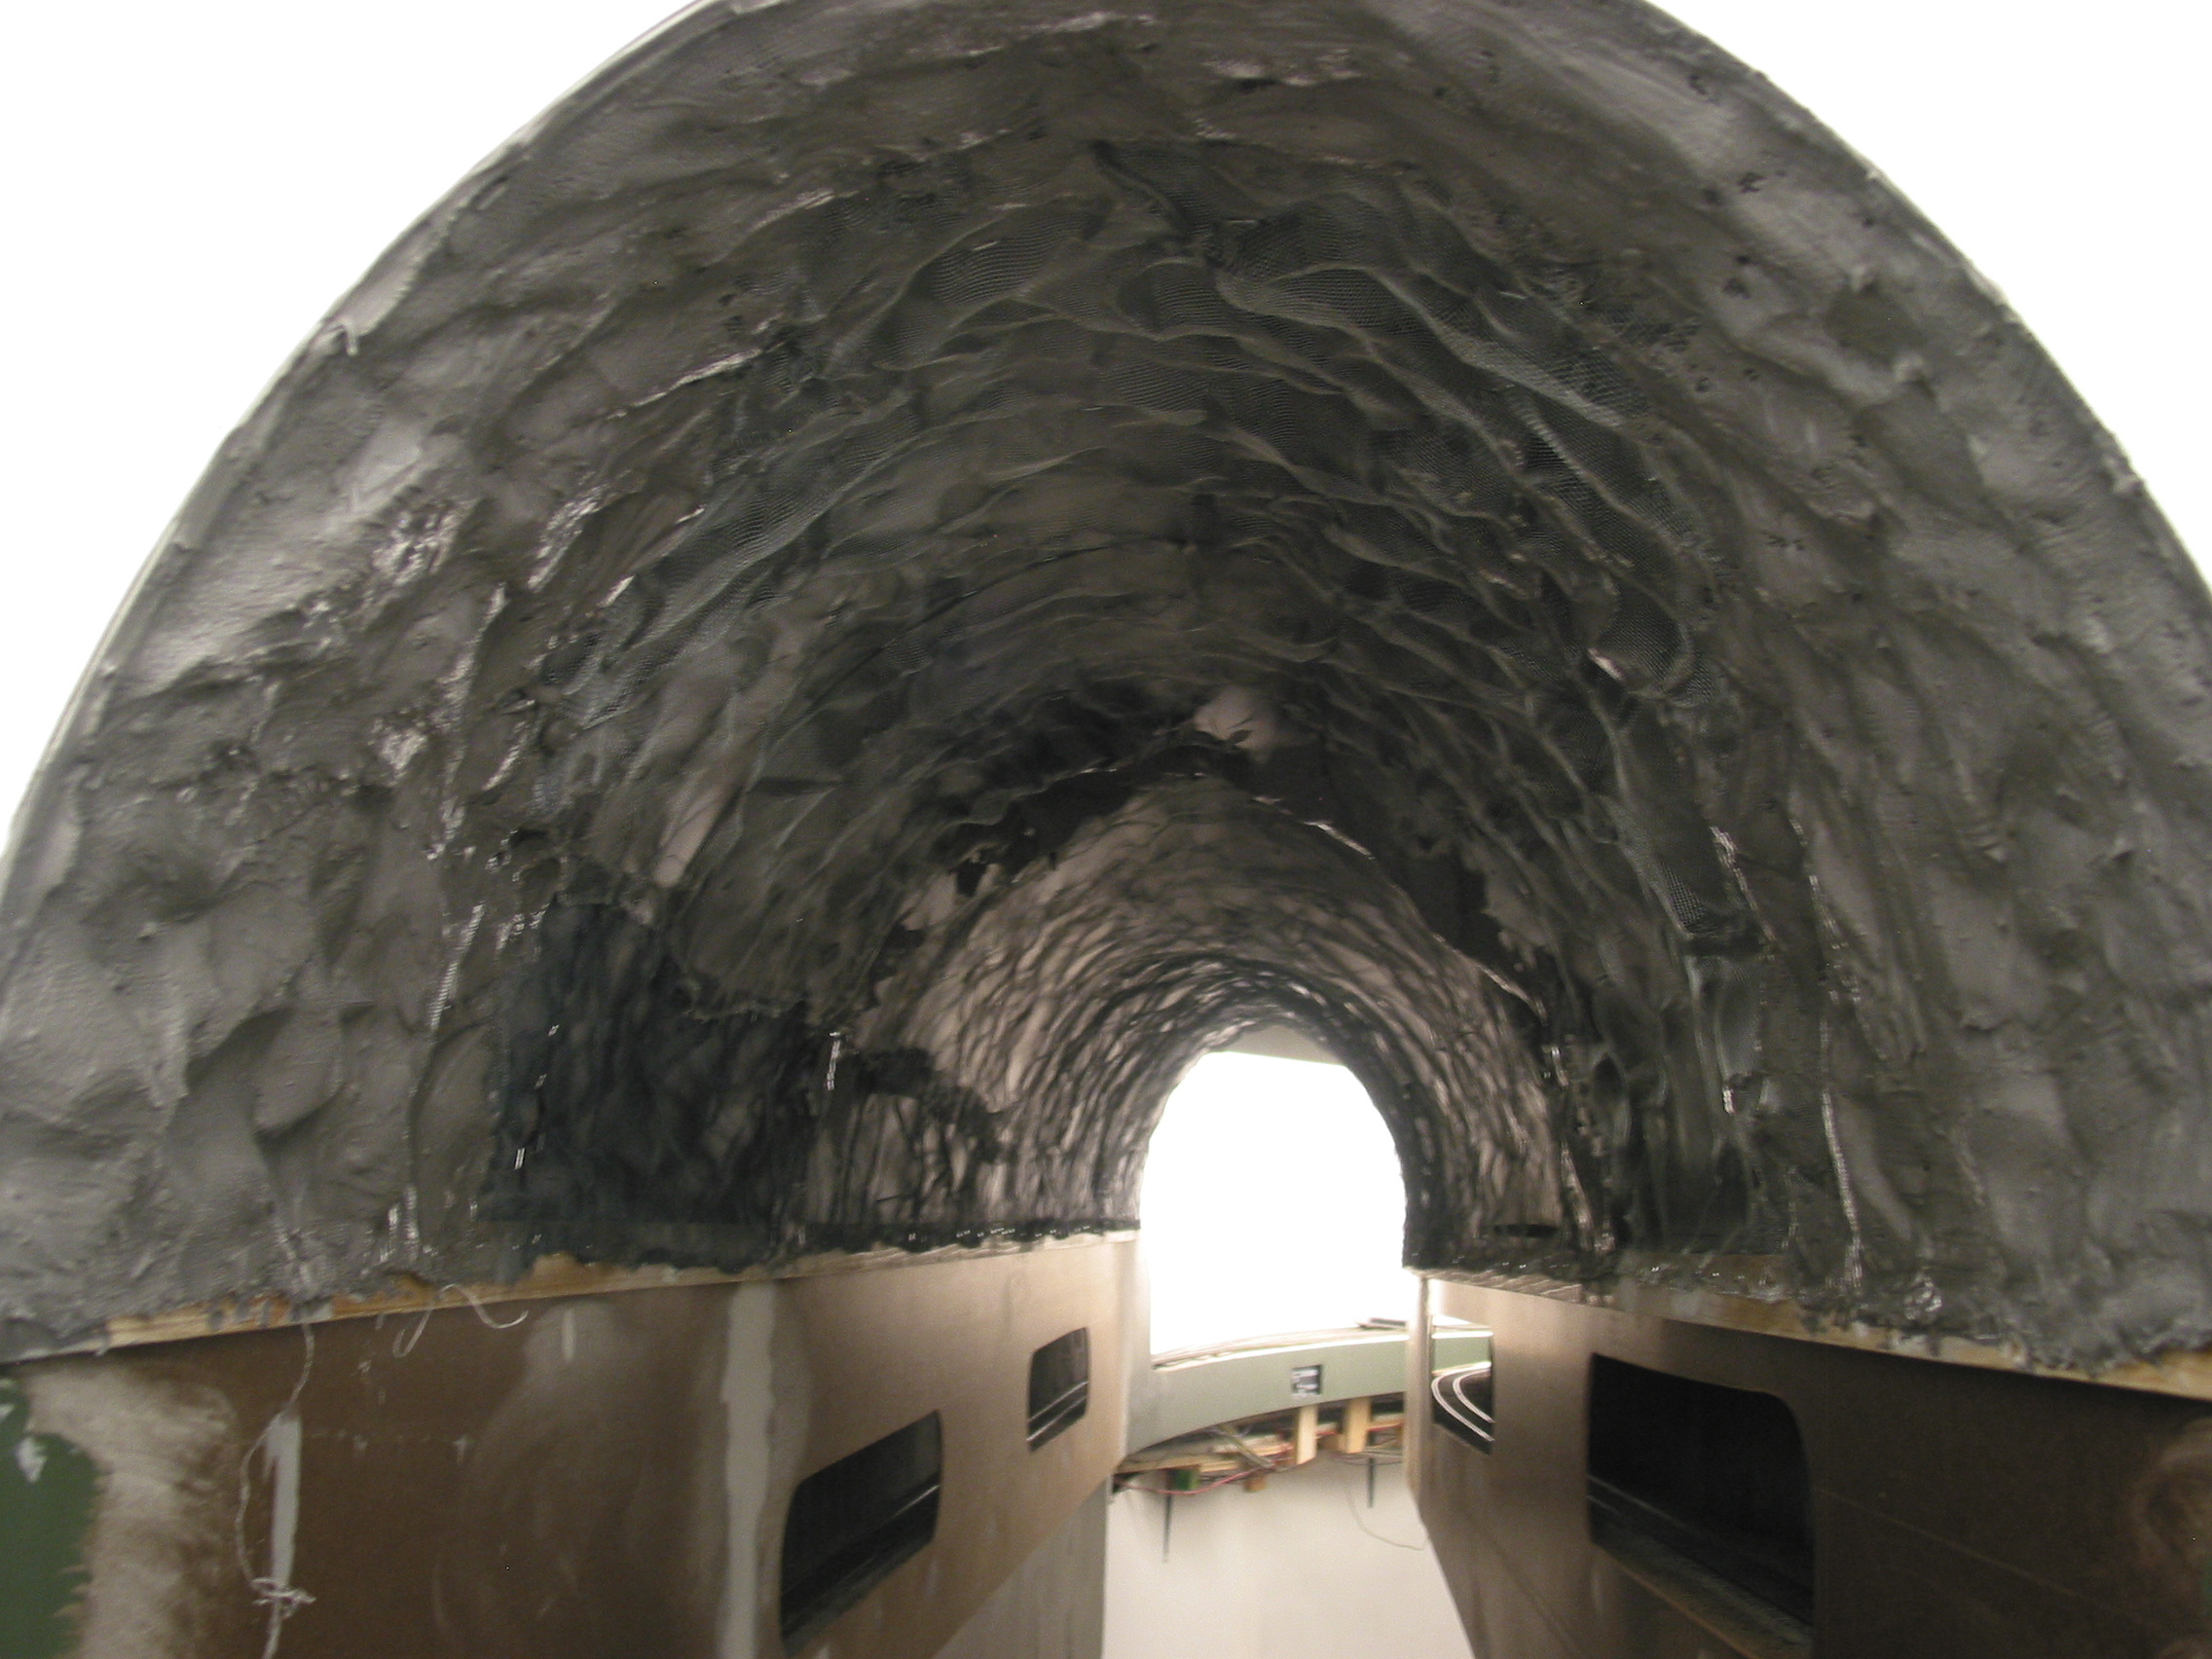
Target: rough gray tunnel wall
point(890, 572)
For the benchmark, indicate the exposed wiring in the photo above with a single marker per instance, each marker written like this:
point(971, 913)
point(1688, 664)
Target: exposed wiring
point(490, 1322)
point(1245, 1449)
point(1214, 1484)
point(403, 1345)
point(1395, 1544)
point(1261, 1465)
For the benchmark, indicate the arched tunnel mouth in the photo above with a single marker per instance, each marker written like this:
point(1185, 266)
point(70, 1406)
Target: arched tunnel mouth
point(890, 575)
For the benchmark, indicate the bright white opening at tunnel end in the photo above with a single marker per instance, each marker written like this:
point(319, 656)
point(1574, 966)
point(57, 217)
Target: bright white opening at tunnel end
point(1273, 1202)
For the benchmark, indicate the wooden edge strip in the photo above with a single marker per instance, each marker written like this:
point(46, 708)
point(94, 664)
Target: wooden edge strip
point(2186, 1373)
point(548, 1277)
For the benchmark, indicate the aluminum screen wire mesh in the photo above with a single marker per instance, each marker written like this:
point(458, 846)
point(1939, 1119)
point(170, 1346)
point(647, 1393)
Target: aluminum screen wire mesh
point(889, 577)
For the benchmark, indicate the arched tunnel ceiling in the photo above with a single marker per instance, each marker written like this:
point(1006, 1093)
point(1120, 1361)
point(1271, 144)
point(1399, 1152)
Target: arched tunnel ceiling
point(890, 572)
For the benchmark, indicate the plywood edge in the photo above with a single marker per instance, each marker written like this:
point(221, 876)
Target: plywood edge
point(2185, 1373)
point(548, 1277)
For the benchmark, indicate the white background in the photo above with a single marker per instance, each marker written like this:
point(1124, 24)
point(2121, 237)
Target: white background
point(1303, 1570)
point(1271, 1203)
point(191, 186)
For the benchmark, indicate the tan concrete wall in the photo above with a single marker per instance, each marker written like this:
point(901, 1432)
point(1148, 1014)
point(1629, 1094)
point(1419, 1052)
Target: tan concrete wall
point(880, 1348)
point(596, 1477)
point(1053, 1607)
point(1959, 1513)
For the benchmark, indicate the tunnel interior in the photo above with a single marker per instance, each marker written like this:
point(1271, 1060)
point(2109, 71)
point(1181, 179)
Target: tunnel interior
point(887, 576)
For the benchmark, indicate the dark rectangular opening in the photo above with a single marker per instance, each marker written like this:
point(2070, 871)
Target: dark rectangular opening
point(1059, 1385)
point(851, 1524)
point(1459, 1403)
point(1711, 1476)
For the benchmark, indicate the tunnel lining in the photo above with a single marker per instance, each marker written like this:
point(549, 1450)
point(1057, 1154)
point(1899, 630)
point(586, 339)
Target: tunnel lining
point(890, 573)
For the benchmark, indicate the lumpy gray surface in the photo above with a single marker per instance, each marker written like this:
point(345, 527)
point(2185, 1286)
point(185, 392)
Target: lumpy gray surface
point(891, 573)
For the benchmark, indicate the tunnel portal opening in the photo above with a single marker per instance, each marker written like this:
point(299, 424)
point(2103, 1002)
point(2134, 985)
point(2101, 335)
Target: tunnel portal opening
point(1273, 1201)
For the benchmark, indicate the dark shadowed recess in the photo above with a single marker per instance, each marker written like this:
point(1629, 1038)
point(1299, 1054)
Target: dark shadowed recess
point(850, 1526)
point(1714, 1478)
point(1059, 1385)
point(892, 573)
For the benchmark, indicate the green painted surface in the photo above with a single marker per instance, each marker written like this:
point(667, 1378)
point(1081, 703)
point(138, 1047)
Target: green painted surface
point(48, 1487)
point(1245, 1382)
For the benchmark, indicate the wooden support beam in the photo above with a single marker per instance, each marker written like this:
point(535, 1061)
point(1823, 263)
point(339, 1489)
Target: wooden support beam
point(1359, 1419)
point(1308, 1439)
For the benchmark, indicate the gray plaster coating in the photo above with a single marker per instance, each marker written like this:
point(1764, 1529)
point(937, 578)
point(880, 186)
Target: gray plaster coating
point(890, 572)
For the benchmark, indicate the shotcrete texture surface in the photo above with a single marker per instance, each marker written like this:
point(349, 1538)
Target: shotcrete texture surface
point(890, 573)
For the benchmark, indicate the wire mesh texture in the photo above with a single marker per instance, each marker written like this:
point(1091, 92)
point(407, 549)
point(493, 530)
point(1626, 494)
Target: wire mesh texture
point(887, 576)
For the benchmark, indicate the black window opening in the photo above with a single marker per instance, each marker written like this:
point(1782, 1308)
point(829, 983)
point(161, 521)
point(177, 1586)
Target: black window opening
point(1459, 1403)
point(1059, 1385)
point(1708, 1475)
point(851, 1524)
